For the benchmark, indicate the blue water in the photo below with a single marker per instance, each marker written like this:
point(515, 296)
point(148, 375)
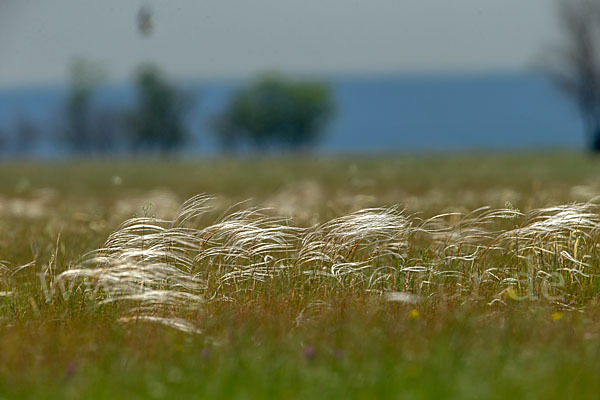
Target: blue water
point(374, 114)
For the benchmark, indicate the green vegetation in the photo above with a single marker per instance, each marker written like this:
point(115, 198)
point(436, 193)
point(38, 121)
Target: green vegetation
point(85, 129)
point(309, 297)
point(157, 122)
point(275, 111)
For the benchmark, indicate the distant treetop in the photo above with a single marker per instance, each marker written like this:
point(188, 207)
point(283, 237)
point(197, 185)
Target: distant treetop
point(275, 111)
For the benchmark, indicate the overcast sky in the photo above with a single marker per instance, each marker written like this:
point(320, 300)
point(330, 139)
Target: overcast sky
point(222, 38)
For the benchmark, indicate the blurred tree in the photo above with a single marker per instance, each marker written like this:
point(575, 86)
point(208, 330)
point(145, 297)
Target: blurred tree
point(26, 134)
point(85, 78)
point(108, 130)
point(278, 111)
point(3, 139)
point(158, 121)
point(575, 65)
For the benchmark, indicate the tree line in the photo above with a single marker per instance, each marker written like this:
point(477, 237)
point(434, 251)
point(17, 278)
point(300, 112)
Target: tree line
point(270, 112)
point(275, 112)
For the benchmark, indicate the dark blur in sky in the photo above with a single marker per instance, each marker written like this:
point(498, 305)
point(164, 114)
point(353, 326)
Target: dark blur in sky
point(237, 38)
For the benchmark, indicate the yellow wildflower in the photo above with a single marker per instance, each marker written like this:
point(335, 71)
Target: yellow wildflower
point(414, 314)
point(557, 316)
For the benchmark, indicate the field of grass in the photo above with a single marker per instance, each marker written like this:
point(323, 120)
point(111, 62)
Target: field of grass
point(463, 277)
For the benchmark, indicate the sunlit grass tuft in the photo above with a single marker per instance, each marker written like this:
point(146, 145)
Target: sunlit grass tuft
point(162, 269)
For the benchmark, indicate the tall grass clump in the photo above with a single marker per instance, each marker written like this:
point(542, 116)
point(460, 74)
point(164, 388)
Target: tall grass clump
point(159, 270)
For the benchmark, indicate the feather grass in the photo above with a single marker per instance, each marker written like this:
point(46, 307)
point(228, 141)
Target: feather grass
point(161, 268)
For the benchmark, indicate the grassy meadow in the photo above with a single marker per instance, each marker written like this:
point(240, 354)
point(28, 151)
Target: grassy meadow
point(409, 277)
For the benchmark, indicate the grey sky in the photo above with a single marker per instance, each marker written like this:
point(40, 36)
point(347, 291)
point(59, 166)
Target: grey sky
point(221, 38)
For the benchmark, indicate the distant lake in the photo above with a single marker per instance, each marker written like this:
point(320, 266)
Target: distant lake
point(374, 114)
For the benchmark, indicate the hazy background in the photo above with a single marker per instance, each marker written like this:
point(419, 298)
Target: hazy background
point(406, 74)
point(225, 38)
